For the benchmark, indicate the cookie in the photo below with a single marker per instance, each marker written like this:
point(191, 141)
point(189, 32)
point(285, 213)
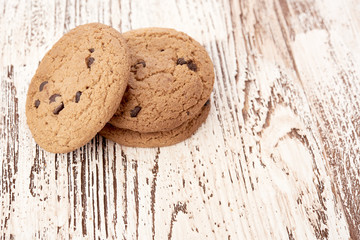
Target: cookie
point(156, 139)
point(171, 78)
point(77, 86)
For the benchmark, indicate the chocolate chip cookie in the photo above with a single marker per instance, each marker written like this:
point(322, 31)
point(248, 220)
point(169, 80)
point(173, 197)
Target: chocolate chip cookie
point(156, 139)
point(171, 78)
point(77, 87)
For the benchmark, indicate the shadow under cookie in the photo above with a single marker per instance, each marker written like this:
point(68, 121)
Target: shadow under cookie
point(156, 139)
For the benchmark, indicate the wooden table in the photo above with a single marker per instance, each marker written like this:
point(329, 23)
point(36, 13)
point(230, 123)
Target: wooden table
point(278, 157)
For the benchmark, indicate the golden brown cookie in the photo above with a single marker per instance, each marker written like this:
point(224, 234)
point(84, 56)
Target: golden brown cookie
point(77, 87)
point(171, 78)
point(156, 139)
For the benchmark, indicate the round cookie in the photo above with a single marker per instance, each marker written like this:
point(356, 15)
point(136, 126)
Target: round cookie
point(171, 78)
point(77, 87)
point(156, 139)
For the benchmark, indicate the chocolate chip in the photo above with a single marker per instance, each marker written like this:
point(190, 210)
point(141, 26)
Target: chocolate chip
point(137, 65)
point(37, 103)
point(135, 111)
point(192, 66)
point(181, 61)
point(162, 50)
point(91, 50)
point(53, 97)
point(77, 96)
point(142, 62)
point(207, 102)
point(58, 108)
point(89, 61)
point(188, 113)
point(42, 85)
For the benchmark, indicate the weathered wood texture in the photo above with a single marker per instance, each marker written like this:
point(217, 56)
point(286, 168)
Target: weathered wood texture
point(278, 157)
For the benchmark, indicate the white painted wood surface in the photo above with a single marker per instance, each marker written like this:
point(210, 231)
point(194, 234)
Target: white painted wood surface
point(278, 157)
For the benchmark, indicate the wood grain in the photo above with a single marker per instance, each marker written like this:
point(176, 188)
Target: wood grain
point(277, 158)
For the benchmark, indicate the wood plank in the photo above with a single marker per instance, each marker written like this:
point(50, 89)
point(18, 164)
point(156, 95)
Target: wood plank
point(276, 159)
point(325, 67)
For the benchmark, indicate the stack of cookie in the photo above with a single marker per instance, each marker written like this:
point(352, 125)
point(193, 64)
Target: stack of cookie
point(144, 88)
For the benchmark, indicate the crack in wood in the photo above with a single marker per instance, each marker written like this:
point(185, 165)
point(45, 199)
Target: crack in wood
point(136, 196)
point(93, 153)
point(83, 157)
point(105, 173)
point(113, 168)
point(154, 171)
point(9, 163)
point(97, 182)
point(70, 184)
point(10, 72)
point(179, 207)
point(125, 200)
point(75, 184)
